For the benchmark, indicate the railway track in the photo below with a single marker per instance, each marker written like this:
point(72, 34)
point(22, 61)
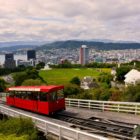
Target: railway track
point(107, 128)
point(100, 126)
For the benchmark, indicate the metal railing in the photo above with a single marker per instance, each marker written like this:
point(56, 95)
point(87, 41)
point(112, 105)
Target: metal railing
point(50, 127)
point(125, 107)
point(2, 97)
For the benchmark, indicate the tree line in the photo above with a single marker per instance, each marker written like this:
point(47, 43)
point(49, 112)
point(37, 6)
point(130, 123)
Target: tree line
point(67, 64)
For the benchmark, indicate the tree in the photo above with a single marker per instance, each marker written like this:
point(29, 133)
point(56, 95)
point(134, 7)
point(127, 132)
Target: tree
point(84, 95)
point(121, 72)
point(105, 95)
point(30, 73)
point(105, 78)
point(116, 94)
point(40, 65)
point(132, 93)
point(75, 80)
point(32, 82)
point(101, 94)
point(6, 71)
point(20, 77)
point(96, 93)
point(2, 85)
point(71, 89)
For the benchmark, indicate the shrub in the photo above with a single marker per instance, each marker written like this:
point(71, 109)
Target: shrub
point(2, 85)
point(13, 137)
point(32, 82)
point(71, 89)
point(19, 127)
point(75, 80)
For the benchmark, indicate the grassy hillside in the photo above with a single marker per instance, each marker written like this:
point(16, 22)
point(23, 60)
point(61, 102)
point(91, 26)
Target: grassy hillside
point(63, 76)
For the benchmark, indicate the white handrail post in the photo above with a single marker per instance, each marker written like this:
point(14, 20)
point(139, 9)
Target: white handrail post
point(89, 104)
point(78, 103)
point(135, 109)
point(103, 106)
point(69, 102)
point(118, 108)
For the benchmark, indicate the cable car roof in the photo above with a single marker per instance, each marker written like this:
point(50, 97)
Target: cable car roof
point(49, 88)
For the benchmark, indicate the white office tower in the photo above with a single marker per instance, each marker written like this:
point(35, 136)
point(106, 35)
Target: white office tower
point(84, 55)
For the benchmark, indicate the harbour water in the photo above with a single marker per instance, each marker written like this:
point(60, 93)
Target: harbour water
point(16, 57)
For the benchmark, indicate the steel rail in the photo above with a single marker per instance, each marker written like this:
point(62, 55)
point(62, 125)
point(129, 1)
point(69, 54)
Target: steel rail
point(104, 127)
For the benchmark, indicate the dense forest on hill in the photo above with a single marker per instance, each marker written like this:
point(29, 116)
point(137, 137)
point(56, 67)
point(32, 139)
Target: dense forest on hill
point(91, 44)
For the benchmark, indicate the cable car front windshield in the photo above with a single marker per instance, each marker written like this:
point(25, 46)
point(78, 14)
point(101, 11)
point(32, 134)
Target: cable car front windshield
point(56, 95)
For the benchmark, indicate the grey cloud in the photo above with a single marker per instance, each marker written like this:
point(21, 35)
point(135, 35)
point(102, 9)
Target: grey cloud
point(69, 19)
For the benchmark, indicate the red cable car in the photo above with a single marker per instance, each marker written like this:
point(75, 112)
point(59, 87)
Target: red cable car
point(41, 99)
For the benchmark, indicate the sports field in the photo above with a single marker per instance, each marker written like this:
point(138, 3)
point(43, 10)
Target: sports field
point(63, 76)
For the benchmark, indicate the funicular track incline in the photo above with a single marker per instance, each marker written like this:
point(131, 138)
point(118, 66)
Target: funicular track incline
point(107, 128)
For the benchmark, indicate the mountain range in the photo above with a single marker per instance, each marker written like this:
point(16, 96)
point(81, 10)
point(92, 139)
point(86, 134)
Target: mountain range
point(96, 44)
point(91, 44)
point(17, 45)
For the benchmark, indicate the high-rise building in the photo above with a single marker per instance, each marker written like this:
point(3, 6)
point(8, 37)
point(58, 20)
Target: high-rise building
point(9, 61)
point(84, 54)
point(31, 54)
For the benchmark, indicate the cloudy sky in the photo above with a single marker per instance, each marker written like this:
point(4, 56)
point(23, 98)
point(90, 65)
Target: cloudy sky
point(45, 20)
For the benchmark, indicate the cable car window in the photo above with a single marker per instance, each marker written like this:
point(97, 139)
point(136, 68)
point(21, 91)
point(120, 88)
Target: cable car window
point(54, 96)
point(60, 94)
point(17, 94)
point(43, 96)
point(24, 95)
point(11, 94)
point(32, 95)
point(29, 94)
point(49, 98)
point(7, 94)
point(35, 95)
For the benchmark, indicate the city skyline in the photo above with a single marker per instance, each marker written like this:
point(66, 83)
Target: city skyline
point(49, 20)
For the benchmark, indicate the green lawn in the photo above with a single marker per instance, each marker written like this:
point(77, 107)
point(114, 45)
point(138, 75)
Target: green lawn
point(63, 76)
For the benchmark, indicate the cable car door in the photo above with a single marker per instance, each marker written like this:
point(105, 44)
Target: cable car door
point(35, 103)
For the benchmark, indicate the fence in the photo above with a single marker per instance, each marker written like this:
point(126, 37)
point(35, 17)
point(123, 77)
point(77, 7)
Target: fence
point(50, 127)
point(125, 107)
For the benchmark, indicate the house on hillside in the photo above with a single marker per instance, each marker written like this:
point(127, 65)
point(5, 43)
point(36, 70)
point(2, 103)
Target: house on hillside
point(132, 77)
point(87, 82)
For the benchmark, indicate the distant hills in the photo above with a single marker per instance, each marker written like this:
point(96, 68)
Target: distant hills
point(17, 45)
point(96, 44)
point(91, 44)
